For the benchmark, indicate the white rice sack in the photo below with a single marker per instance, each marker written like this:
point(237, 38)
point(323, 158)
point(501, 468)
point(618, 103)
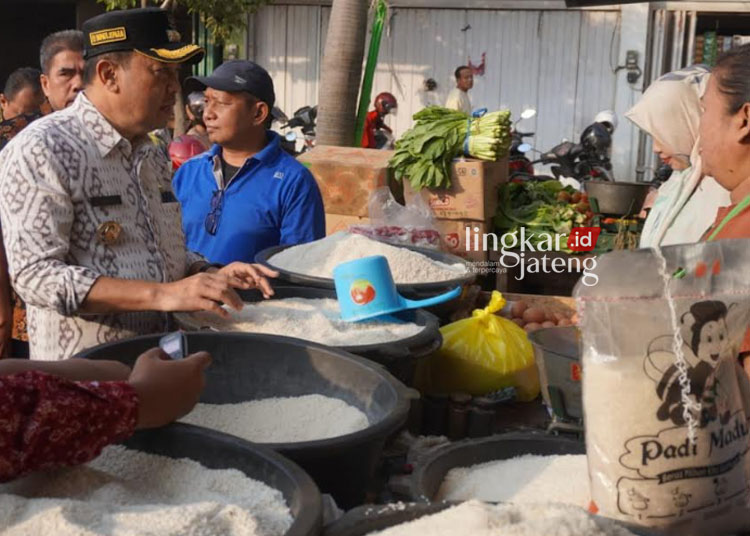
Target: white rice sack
point(665, 402)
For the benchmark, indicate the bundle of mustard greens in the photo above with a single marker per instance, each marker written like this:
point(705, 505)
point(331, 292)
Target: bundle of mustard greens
point(424, 153)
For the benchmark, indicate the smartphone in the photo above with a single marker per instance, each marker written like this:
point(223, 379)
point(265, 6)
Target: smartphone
point(174, 345)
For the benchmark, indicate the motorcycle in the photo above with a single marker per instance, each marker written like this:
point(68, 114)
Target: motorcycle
point(586, 160)
point(304, 119)
point(517, 160)
point(384, 140)
point(579, 162)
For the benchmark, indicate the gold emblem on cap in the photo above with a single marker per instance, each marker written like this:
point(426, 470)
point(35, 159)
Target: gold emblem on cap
point(179, 53)
point(108, 232)
point(173, 36)
point(110, 35)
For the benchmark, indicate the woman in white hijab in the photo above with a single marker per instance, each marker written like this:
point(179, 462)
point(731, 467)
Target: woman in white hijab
point(686, 204)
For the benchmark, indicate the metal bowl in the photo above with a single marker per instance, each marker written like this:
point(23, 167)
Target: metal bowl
point(618, 198)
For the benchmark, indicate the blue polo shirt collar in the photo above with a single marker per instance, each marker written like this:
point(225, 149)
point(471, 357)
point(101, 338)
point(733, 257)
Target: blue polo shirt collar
point(266, 156)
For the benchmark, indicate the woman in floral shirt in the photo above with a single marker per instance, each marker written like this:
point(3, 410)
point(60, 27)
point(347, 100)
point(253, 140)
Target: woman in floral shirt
point(62, 413)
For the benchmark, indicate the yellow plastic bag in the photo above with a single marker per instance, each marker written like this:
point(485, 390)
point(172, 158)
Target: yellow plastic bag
point(485, 353)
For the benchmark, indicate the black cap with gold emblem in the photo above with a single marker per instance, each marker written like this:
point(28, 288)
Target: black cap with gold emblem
point(146, 31)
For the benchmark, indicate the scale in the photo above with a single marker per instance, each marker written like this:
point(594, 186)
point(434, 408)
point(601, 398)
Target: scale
point(562, 422)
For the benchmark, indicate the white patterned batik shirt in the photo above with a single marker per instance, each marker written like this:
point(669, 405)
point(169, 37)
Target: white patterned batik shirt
point(60, 180)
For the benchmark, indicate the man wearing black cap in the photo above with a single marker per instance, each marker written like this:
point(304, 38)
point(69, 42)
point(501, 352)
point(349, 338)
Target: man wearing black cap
point(245, 194)
point(90, 224)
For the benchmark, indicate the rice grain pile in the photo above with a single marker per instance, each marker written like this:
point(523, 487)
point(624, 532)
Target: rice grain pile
point(319, 258)
point(316, 320)
point(129, 493)
point(521, 480)
point(474, 518)
point(281, 420)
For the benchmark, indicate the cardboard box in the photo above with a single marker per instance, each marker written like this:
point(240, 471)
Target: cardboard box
point(337, 222)
point(347, 176)
point(473, 192)
point(453, 238)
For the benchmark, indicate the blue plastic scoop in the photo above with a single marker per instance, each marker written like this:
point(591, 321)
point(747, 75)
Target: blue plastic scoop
point(365, 290)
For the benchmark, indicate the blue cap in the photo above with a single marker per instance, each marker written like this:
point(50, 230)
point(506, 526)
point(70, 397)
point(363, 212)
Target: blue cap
point(237, 76)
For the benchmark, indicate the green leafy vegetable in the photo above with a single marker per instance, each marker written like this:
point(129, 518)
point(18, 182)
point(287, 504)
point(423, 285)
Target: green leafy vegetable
point(424, 153)
point(535, 206)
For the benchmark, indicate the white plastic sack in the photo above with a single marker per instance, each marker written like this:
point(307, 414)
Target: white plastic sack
point(650, 350)
point(392, 222)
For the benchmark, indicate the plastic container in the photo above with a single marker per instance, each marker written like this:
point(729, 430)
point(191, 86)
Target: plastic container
point(215, 450)
point(429, 475)
point(558, 359)
point(399, 357)
point(413, 291)
point(249, 367)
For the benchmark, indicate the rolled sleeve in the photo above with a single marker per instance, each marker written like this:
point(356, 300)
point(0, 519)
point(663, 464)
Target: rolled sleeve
point(37, 217)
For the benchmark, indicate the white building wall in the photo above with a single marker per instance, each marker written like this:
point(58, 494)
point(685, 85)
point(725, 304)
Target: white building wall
point(557, 61)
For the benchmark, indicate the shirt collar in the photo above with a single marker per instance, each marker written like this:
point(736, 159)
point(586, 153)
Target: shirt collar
point(265, 156)
point(105, 136)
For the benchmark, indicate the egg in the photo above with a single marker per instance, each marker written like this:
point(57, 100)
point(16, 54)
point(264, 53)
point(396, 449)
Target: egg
point(518, 308)
point(535, 315)
point(549, 324)
point(532, 326)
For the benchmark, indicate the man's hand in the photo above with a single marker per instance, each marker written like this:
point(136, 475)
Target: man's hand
point(205, 291)
point(199, 292)
point(246, 276)
point(167, 389)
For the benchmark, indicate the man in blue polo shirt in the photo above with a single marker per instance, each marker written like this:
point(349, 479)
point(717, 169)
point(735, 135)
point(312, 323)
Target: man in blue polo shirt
point(244, 194)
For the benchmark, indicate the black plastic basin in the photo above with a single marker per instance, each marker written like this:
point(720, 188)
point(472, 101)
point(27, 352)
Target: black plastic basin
point(367, 520)
point(249, 367)
point(215, 450)
point(414, 291)
point(399, 357)
point(428, 476)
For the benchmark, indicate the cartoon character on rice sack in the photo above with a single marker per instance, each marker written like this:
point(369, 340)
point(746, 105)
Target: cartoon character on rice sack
point(708, 351)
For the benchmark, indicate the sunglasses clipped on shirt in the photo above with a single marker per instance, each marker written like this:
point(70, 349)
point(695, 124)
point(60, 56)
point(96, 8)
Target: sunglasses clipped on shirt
point(212, 218)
